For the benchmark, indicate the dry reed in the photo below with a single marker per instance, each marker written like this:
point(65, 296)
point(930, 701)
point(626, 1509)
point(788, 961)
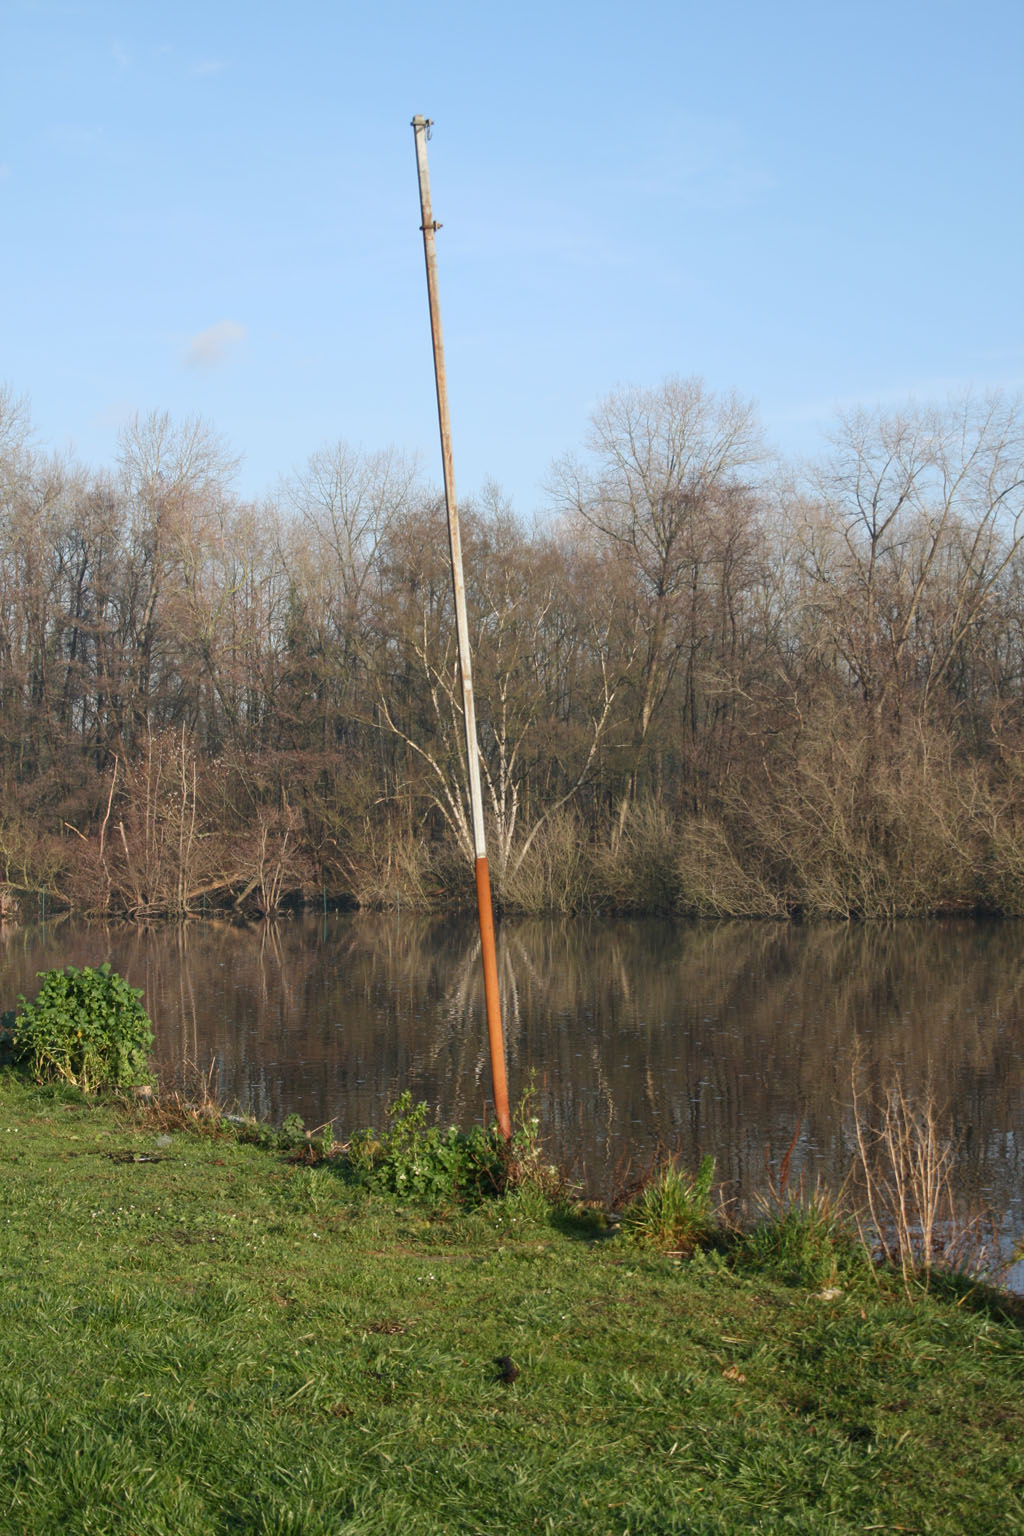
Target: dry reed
point(905, 1166)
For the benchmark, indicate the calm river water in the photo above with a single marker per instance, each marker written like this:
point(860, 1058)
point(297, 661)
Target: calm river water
point(722, 1038)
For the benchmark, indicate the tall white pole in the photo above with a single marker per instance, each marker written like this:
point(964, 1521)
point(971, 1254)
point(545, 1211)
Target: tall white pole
point(421, 129)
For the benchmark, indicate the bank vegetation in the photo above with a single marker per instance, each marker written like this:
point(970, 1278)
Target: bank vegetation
point(706, 682)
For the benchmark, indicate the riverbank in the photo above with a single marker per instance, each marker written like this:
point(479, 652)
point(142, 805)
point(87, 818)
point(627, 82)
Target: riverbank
point(201, 1335)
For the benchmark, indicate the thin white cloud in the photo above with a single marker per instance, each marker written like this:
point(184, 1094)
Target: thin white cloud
point(208, 67)
point(209, 348)
point(122, 58)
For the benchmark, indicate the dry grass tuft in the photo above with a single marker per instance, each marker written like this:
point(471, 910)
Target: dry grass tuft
point(905, 1168)
point(190, 1105)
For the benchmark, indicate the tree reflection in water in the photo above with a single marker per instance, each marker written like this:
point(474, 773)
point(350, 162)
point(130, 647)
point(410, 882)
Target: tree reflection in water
point(718, 1038)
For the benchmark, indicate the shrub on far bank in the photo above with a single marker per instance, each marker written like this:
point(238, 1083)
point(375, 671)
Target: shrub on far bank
point(86, 1027)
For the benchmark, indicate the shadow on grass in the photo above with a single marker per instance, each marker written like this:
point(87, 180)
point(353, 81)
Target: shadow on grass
point(18, 1073)
point(972, 1295)
point(581, 1223)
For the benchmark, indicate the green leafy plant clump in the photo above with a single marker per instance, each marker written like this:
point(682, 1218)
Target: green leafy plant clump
point(422, 1161)
point(291, 1136)
point(86, 1027)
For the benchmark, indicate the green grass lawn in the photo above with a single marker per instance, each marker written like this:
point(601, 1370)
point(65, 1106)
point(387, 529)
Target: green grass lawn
point(199, 1336)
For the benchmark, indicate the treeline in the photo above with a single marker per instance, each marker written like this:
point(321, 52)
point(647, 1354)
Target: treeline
point(706, 683)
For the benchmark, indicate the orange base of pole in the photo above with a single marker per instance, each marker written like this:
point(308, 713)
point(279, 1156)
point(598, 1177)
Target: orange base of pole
point(494, 1030)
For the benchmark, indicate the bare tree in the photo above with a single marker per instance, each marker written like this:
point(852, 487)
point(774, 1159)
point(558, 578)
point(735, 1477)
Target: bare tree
point(341, 505)
point(906, 531)
point(667, 471)
point(343, 500)
point(171, 475)
point(535, 626)
point(15, 432)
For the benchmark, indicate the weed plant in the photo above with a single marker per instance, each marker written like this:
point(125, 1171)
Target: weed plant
point(799, 1238)
point(417, 1160)
point(292, 1136)
point(86, 1027)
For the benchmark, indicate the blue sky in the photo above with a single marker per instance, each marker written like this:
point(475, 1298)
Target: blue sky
point(212, 209)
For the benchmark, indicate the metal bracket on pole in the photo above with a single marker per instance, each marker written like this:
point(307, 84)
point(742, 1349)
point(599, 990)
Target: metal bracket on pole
point(428, 227)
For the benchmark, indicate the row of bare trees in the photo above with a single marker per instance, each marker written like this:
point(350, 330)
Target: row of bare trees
point(707, 682)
